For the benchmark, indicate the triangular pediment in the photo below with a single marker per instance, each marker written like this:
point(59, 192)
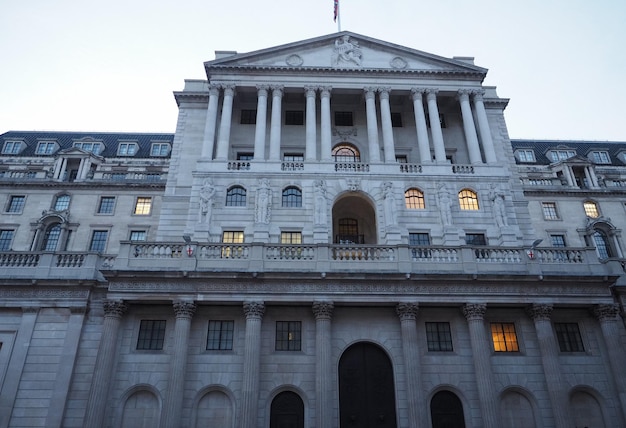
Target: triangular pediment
point(345, 51)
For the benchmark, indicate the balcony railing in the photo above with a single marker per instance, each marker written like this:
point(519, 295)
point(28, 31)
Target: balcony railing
point(43, 265)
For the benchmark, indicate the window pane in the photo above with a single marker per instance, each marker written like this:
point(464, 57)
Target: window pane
point(292, 197)
point(419, 239)
point(248, 117)
point(98, 240)
point(549, 211)
point(236, 197)
point(6, 237)
point(17, 204)
point(558, 240)
point(294, 117)
point(51, 237)
point(143, 205)
point(414, 199)
point(602, 244)
point(568, 335)
point(438, 336)
point(468, 200)
point(232, 237)
point(343, 118)
point(151, 334)
point(346, 153)
point(220, 336)
point(107, 203)
point(504, 337)
point(137, 235)
point(591, 209)
point(62, 203)
point(475, 239)
point(288, 335)
point(291, 238)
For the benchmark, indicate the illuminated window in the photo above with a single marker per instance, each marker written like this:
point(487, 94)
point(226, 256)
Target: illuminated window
point(568, 335)
point(292, 197)
point(143, 205)
point(220, 336)
point(414, 199)
point(62, 202)
point(98, 241)
point(346, 153)
point(16, 204)
point(288, 335)
point(151, 335)
point(438, 336)
point(504, 337)
point(468, 200)
point(291, 237)
point(591, 209)
point(106, 205)
point(232, 237)
point(236, 197)
point(549, 211)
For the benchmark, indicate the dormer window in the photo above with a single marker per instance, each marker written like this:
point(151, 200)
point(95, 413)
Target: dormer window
point(94, 148)
point(46, 148)
point(159, 149)
point(525, 155)
point(559, 155)
point(12, 147)
point(127, 149)
point(601, 157)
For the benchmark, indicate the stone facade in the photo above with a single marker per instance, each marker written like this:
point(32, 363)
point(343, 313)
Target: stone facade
point(339, 233)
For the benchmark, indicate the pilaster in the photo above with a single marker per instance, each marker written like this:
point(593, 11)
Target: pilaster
point(254, 312)
point(323, 311)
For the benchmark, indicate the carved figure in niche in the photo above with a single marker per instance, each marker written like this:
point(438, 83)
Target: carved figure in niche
point(389, 204)
point(445, 204)
point(499, 210)
point(347, 50)
point(263, 201)
point(320, 202)
point(207, 191)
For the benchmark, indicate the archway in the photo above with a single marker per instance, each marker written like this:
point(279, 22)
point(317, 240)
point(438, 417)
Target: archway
point(354, 221)
point(366, 388)
point(287, 411)
point(446, 410)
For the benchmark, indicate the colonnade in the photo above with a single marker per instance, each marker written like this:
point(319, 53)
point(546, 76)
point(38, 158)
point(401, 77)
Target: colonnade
point(607, 315)
point(471, 105)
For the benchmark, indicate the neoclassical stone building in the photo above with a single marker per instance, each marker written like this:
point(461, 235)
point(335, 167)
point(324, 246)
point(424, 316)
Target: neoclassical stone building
point(340, 233)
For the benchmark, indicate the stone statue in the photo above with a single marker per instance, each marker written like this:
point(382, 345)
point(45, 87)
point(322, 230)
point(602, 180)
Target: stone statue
point(207, 191)
point(499, 210)
point(347, 50)
point(321, 200)
point(389, 204)
point(445, 205)
point(263, 201)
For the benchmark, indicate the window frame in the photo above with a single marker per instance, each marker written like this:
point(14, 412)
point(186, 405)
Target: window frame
point(439, 340)
point(294, 237)
point(101, 204)
point(550, 211)
point(557, 155)
point(49, 147)
point(94, 147)
point(6, 239)
point(591, 208)
point(396, 120)
point(123, 148)
point(568, 337)
point(601, 157)
point(468, 200)
point(503, 343)
point(247, 116)
point(12, 147)
point(343, 118)
point(141, 202)
point(288, 343)
point(156, 149)
point(99, 240)
point(477, 239)
point(62, 202)
point(558, 240)
point(294, 117)
point(225, 336)
point(291, 197)
point(151, 335)
point(414, 199)
point(230, 237)
point(236, 196)
point(137, 231)
point(18, 206)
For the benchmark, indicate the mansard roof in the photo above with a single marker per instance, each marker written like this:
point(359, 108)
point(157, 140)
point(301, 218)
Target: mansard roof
point(66, 140)
point(344, 52)
point(582, 149)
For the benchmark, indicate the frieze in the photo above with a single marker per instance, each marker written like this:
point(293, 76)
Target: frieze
point(42, 293)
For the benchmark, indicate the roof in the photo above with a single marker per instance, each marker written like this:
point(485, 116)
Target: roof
point(582, 148)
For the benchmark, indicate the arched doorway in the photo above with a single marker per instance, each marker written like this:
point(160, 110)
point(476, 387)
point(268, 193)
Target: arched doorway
point(366, 388)
point(287, 411)
point(446, 410)
point(354, 221)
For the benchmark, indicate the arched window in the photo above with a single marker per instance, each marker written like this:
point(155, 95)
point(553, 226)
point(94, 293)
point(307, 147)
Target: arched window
point(51, 237)
point(346, 153)
point(287, 410)
point(62, 202)
point(603, 246)
point(414, 199)
point(236, 197)
point(446, 410)
point(468, 200)
point(591, 209)
point(292, 197)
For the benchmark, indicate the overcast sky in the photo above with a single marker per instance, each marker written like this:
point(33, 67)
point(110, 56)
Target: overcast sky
point(79, 65)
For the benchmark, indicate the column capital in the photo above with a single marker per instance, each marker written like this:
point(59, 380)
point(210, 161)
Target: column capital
point(539, 312)
point(277, 90)
point(254, 310)
point(605, 312)
point(325, 91)
point(323, 310)
point(474, 311)
point(214, 89)
point(478, 94)
point(310, 91)
point(370, 92)
point(229, 90)
point(431, 93)
point(384, 93)
point(407, 311)
point(416, 93)
point(463, 94)
point(262, 89)
point(184, 309)
point(114, 308)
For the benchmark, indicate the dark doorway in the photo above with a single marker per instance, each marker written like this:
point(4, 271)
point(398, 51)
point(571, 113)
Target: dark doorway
point(446, 411)
point(287, 411)
point(366, 388)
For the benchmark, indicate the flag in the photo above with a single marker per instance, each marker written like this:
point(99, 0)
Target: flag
point(336, 10)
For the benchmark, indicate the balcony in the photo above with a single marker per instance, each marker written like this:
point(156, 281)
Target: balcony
point(22, 265)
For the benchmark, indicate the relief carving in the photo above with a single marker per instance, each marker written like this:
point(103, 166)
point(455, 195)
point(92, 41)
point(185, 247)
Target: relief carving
point(346, 52)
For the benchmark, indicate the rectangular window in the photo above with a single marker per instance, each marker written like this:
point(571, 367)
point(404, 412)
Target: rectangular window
point(137, 235)
point(98, 240)
point(159, 149)
point(245, 156)
point(294, 117)
point(419, 239)
point(143, 206)
point(288, 335)
point(248, 117)
point(343, 118)
point(220, 337)
point(151, 335)
point(291, 237)
point(401, 159)
point(549, 211)
point(6, 238)
point(504, 337)
point(568, 335)
point(601, 157)
point(559, 155)
point(558, 240)
point(94, 148)
point(396, 120)
point(475, 239)
point(16, 204)
point(293, 157)
point(438, 336)
point(45, 148)
point(12, 147)
point(526, 155)
point(127, 149)
point(232, 237)
point(106, 205)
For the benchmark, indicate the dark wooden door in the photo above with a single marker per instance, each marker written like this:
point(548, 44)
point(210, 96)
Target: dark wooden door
point(366, 388)
point(446, 411)
point(287, 411)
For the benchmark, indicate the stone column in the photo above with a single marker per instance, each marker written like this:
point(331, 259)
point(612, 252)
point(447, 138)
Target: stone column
point(173, 406)
point(469, 128)
point(435, 125)
point(593, 177)
point(211, 120)
point(311, 124)
point(607, 316)
point(103, 369)
point(325, 138)
point(254, 312)
point(569, 177)
point(225, 123)
point(323, 312)
point(548, 347)
point(275, 124)
point(372, 125)
point(474, 313)
point(483, 127)
point(408, 314)
point(261, 122)
point(385, 118)
point(420, 126)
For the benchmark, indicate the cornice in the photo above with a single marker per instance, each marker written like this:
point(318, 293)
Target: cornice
point(574, 193)
point(99, 184)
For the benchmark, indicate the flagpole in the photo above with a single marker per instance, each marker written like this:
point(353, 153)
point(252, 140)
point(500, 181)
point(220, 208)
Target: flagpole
point(338, 18)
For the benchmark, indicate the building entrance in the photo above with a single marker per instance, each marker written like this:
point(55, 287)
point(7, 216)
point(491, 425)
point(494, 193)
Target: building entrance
point(366, 388)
